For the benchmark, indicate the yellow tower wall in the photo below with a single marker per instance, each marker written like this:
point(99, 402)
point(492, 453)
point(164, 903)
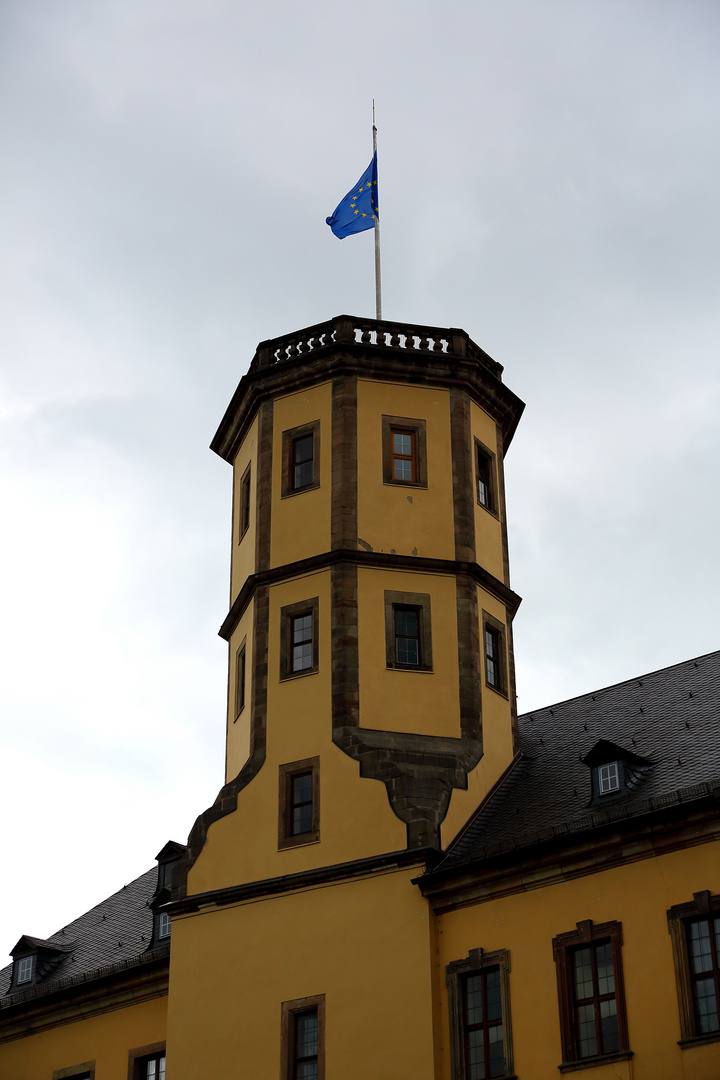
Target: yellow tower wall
point(364, 944)
point(355, 818)
point(300, 524)
point(498, 746)
point(238, 724)
point(242, 562)
point(419, 702)
point(392, 517)
point(488, 526)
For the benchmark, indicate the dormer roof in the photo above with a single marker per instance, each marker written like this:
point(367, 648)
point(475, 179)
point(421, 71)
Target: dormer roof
point(665, 724)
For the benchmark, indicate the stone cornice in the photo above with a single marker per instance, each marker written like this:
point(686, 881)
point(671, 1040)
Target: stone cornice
point(382, 560)
point(567, 854)
point(442, 357)
point(306, 879)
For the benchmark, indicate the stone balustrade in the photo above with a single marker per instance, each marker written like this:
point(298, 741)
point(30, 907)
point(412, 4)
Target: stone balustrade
point(369, 332)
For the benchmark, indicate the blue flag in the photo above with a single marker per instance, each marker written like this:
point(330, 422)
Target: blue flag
point(359, 209)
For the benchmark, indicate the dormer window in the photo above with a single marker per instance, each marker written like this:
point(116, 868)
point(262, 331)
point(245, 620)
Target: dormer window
point(35, 959)
point(608, 778)
point(25, 970)
point(615, 771)
point(167, 859)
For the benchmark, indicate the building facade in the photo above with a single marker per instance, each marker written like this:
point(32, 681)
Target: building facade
point(399, 877)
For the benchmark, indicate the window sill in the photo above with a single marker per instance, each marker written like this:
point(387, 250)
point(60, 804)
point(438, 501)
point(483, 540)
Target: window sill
point(591, 1062)
point(299, 491)
point(496, 690)
point(404, 484)
point(239, 714)
point(409, 667)
point(492, 513)
point(303, 840)
point(298, 674)
point(699, 1040)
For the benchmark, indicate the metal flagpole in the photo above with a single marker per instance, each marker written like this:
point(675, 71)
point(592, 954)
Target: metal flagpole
point(378, 291)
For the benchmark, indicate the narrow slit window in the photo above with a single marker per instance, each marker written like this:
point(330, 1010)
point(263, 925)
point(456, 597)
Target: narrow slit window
point(240, 678)
point(492, 653)
point(245, 502)
point(302, 1043)
point(404, 455)
point(407, 635)
point(485, 477)
point(299, 646)
point(302, 462)
point(306, 1045)
point(301, 803)
point(302, 641)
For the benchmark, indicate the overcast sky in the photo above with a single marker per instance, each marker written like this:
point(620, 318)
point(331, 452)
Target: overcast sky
point(548, 180)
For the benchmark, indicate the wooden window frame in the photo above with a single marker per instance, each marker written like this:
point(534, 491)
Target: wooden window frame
point(489, 458)
point(588, 933)
point(289, 438)
point(31, 959)
point(244, 505)
point(85, 1071)
point(240, 677)
point(417, 428)
point(497, 629)
point(286, 838)
point(287, 614)
point(456, 974)
point(289, 1010)
point(421, 601)
point(139, 1056)
point(703, 906)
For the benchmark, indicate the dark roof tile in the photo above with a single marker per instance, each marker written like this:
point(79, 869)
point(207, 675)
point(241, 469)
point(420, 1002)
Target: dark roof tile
point(671, 718)
point(117, 930)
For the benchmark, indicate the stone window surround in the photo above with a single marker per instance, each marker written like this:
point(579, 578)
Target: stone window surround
point(587, 933)
point(288, 440)
point(287, 613)
point(407, 599)
point(286, 838)
point(477, 960)
point(289, 1009)
point(679, 915)
point(418, 427)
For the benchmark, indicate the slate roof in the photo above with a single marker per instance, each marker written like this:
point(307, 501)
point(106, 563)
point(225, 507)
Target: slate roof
point(670, 717)
point(114, 934)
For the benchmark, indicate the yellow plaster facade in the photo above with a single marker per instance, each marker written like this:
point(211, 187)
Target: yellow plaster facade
point(408, 520)
point(103, 1040)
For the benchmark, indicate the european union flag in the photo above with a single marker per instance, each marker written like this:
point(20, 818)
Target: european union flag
point(359, 209)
